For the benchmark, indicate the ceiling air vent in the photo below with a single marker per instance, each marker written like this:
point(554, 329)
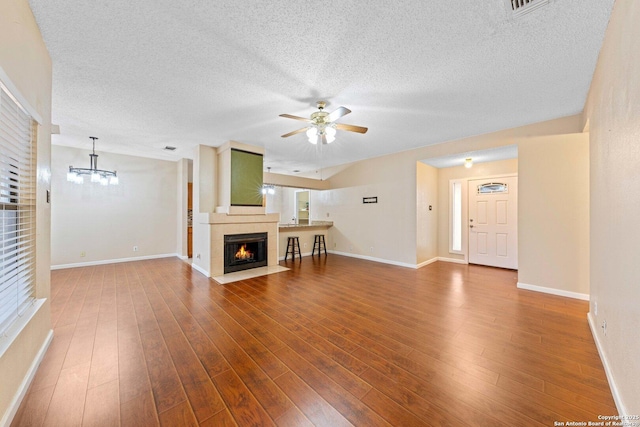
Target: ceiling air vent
point(169, 148)
point(521, 7)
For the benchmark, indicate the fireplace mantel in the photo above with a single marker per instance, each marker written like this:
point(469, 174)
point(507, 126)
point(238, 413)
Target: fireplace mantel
point(224, 218)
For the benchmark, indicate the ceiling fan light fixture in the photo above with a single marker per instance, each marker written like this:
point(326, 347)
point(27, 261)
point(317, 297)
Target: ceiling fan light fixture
point(312, 135)
point(468, 162)
point(322, 125)
point(330, 138)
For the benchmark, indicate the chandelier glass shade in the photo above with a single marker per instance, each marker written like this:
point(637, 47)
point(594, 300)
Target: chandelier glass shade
point(101, 176)
point(268, 189)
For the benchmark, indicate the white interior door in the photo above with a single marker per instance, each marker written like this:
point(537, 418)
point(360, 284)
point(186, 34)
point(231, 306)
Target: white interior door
point(493, 222)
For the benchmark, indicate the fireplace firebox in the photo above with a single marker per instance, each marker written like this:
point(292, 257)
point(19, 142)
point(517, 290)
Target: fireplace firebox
point(244, 251)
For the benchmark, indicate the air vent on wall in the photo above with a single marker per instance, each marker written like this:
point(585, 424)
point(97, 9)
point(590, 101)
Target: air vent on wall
point(169, 148)
point(521, 7)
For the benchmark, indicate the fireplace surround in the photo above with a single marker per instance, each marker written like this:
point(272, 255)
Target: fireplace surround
point(245, 251)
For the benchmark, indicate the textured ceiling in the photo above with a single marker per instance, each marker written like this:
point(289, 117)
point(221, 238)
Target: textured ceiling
point(144, 74)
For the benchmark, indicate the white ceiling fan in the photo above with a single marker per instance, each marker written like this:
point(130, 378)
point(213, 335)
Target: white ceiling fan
point(322, 125)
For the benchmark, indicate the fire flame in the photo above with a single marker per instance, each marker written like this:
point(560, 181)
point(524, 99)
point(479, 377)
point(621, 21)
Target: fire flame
point(243, 253)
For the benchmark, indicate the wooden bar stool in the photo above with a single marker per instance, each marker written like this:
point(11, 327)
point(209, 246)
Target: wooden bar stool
point(293, 247)
point(318, 242)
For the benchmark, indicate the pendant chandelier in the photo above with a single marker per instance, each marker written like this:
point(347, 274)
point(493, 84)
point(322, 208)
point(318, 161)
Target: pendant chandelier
point(104, 177)
point(266, 188)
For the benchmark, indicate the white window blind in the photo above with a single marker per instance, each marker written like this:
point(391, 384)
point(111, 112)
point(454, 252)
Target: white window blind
point(17, 209)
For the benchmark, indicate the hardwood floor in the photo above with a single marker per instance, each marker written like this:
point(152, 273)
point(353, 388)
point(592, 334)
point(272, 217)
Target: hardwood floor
point(334, 341)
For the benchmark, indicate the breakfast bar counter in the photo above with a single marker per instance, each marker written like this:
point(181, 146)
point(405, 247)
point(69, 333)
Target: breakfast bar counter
point(305, 233)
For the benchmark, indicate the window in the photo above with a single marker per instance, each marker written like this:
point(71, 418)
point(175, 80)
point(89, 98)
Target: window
point(17, 209)
point(494, 187)
point(456, 217)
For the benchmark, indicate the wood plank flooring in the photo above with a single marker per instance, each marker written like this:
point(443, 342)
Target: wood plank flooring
point(335, 341)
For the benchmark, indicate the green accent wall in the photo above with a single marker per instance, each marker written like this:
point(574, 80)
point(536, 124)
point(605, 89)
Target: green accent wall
point(246, 178)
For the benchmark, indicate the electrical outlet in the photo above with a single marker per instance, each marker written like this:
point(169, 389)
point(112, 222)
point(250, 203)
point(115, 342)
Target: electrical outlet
point(604, 327)
point(327, 214)
point(595, 308)
point(350, 248)
point(371, 249)
point(198, 256)
point(304, 245)
point(135, 249)
point(83, 253)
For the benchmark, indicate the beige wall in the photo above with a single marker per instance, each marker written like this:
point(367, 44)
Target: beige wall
point(385, 230)
point(204, 201)
point(106, 222)
point(25, 61)
point(445, 175)
point(553, 214)
point(613, 111)
point(427, 219)
point(294, 181)
point(390, 226)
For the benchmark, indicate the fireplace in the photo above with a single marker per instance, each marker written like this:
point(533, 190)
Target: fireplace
point(244, 251)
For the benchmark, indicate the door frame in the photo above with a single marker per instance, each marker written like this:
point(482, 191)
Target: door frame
point(465, 210)
point(493, 259)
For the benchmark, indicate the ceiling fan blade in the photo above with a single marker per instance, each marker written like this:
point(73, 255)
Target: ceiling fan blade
point(296, 132)
point(289, 116)
point(341, 111)
point(351, 128)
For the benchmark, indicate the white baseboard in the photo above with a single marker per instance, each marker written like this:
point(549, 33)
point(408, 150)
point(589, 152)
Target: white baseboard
point(607, 367)
point(302, 254)
point(553, 291)
point(370, 258)
point(443, 259)
point(387, 261)
point(425, 263)
point(26, 382)
point(111, 261)
point(452, 260)
point(200, 270)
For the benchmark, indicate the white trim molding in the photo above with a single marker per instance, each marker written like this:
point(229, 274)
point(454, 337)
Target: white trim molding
point(111, 261)
point(26, 382)
point(281, 258)
point(396, 263)
point(370, 258)
point(427, 262)
point(452, 260)
point(13, 89)
point(443, 259)
point(553, 291)
point(622, 410)
point(200, 270)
